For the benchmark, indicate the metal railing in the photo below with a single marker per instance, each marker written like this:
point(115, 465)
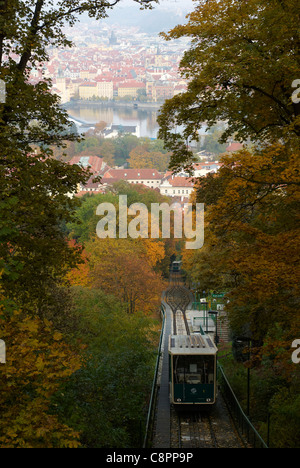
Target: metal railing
point(243, 425)
point(152, 401)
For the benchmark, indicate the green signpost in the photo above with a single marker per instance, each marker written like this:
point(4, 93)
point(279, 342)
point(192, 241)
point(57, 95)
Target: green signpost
point(218, 295)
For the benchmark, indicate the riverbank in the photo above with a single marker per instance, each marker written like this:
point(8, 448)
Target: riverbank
point(86, 114)
point(114, 104)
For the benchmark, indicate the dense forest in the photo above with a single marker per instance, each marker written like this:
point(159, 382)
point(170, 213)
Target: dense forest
point(76, 341)
point(80, 315)
point(83, 367)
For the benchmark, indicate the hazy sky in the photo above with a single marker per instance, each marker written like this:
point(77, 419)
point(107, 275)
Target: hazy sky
point(183, 6)
point(166, 14)
point(162, 3)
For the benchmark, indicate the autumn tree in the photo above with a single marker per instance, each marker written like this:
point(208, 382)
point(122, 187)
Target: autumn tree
point(121, 268)
point(37, 363)
point(251, 252)
point(107, 399)
point(123, 145)
point(252, 239)
point(35, 189)
point(141, 157)
point(107, 152)
point(83, 228)
point(240, 69)
point(100, 126)
point(248, 200)
point(35, 203)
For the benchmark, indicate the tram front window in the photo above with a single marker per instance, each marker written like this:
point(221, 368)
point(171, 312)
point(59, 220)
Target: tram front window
point(193, 369)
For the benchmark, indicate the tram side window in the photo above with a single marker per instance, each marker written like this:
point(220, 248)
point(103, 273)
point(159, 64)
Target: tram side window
point(193, 369)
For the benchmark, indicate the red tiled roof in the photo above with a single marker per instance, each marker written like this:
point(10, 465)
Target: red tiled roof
point(133, 84)
point(132, 174)
point(203, 165)
point(181, 182)
point(234, 147)
point(95, 163)
point(89, 84)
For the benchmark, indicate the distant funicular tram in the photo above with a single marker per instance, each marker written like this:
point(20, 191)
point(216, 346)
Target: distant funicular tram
point(176, 266)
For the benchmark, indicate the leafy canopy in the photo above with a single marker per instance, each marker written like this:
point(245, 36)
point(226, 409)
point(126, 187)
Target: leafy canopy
point(35, 189)
point(252, 239)
point(243, 59)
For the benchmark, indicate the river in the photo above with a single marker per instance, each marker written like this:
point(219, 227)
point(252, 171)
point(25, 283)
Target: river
point(90, 113)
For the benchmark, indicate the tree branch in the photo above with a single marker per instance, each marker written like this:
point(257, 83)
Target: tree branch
point(32, 33)
point(270, 96)
point(3, 9)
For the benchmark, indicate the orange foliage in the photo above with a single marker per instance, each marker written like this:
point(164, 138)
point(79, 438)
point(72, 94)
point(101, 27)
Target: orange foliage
point(120, 268)
point(79, 276)
point(37, 362)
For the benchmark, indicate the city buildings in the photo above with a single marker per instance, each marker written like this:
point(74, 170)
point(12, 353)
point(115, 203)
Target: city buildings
point(107, 64)
point(121, 64)
point(96, 90)
point(179, 186)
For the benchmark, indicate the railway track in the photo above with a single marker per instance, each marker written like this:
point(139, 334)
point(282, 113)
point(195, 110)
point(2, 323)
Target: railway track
point(195, 430)
point(176, 278)
point(204, 428)
point(178, 299)
point(196, 427)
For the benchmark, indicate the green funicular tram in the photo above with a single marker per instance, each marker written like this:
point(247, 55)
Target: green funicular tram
point(193, 369)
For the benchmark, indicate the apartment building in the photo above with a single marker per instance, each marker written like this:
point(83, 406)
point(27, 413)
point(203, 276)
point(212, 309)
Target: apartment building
point(105, 89)
point(149, 177)
point(130, 88)
point(93, 89)
point(177, 186)
point(88, 90)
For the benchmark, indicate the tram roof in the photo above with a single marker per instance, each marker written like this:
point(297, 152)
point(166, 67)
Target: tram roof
point(196, 344)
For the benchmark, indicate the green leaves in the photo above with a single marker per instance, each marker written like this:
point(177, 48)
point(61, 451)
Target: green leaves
point(35, 202)
point(37, 199)
point(107, 398)
point(240, 68)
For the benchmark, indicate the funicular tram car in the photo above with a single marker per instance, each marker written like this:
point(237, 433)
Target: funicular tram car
point(193, 365)
point(176, 266)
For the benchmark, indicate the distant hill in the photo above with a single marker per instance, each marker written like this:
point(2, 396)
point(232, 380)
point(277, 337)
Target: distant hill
point(149, 21)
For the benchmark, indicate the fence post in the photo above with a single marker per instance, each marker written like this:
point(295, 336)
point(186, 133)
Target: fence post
point(2, 92)
point(2, 352)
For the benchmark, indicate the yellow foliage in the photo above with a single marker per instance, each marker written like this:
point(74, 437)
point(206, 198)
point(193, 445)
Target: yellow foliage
point(155, 251)
point(252, 240)
point(121, 267)
point(37, 362)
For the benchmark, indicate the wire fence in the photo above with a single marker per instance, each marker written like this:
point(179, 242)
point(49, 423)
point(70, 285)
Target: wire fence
point(152, 403)
point(243, 425)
